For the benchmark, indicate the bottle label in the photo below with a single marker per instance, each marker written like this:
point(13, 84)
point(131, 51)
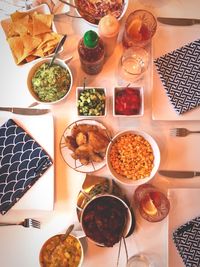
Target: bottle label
point(92, 67)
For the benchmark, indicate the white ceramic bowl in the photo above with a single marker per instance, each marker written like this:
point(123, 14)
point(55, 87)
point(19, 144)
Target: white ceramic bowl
point(141, 94)
point(81, 89)
point(33, 70)
point(126, 2)
point(156, 162)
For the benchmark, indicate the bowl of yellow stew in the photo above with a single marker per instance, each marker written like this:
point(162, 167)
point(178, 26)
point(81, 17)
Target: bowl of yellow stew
point(57, 252)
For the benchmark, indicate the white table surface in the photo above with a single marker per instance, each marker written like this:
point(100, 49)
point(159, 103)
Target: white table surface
point(20, 246)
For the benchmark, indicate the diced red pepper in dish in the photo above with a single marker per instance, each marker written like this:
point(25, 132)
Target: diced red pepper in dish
point(127, 101)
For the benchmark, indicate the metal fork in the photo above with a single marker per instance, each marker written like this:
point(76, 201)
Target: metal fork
point(28, 222)
point(181, 132)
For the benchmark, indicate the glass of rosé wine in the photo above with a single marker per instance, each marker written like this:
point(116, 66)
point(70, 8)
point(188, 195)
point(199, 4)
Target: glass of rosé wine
point(140, 27)
point(153, 205)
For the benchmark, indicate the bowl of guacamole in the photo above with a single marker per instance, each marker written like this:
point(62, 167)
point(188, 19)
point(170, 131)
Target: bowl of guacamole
point(50, 84)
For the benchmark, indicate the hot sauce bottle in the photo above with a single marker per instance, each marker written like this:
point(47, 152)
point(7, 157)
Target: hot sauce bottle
point(91, 53)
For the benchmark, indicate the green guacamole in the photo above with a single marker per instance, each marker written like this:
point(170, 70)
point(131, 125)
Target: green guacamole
point(51, 83)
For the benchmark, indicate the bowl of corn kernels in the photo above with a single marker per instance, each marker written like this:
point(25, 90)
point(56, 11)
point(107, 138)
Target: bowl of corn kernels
point(133, 157)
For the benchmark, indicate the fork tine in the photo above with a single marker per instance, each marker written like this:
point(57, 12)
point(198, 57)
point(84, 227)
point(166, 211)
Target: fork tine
point(174, 132)
point(32, 223)
point(35, 221)
point(180, 132)
point(35, 224)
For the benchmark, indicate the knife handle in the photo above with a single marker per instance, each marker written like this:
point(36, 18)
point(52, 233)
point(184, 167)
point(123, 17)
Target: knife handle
point(6, 109)
point(197, 173)
point(196, 21)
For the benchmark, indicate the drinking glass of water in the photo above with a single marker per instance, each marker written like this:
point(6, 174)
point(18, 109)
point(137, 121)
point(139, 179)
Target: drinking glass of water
point(133, 63)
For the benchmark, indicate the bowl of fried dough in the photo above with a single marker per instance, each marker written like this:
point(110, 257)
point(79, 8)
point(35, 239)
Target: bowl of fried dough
point(83, 145)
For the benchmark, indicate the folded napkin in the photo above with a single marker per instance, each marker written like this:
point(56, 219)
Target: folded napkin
point(187, 241)
point(179, 71)
point(22, 162)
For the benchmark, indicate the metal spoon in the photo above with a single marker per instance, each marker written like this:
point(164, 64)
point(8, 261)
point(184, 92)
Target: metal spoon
point(68, 231)
point(125, 246)
point(57, 49)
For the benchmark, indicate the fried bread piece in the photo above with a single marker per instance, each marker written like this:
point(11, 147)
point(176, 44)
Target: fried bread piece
point(98, 141)
point(71, 143)
point(81, 138)
point(84, 128)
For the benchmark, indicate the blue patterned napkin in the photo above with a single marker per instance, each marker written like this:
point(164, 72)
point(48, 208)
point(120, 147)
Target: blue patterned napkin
point(22, 162)
point(187, 241)
point(179, 71)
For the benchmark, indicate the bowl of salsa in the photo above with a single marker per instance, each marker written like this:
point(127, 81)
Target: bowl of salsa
point(49, 84)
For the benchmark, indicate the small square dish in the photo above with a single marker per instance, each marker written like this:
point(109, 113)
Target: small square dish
point(91, 101)
point(128, 101)
point(31, 34)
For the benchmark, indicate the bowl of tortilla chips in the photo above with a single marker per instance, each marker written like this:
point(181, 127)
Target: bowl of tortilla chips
point(31, 34)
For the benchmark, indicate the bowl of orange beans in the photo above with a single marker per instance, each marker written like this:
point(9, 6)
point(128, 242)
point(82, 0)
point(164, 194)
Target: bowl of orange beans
point(133, 157)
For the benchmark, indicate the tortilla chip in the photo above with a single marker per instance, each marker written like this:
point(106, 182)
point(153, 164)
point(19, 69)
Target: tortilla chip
point(17, 15)
point(10, 30)
point(30, 42)
point(49, 52)
point(30, 27)
point(17, 48)
point(45, 37)
point(57, 36)
point(21, 25)
point(52, 43)
point(38, 53)
point(39, 27)
point(44, 18)
point(30, 58)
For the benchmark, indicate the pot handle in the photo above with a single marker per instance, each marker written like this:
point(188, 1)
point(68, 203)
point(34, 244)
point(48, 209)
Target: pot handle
point(79, 234)
point(67, 60)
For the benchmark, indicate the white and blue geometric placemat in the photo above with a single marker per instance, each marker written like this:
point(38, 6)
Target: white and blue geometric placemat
point(187, 241)
point(179, 72)
point(22, 163)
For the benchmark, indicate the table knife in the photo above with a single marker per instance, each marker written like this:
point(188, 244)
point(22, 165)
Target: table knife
point(179, 174)
point(178, 21)
point(25, 111)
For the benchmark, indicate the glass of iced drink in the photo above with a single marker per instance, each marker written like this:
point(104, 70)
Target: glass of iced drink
point(140, 27)
point(153, 204)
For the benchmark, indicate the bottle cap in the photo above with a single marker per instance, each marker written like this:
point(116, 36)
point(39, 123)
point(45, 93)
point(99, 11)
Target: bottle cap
point(108, 26)
point(90, 39)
